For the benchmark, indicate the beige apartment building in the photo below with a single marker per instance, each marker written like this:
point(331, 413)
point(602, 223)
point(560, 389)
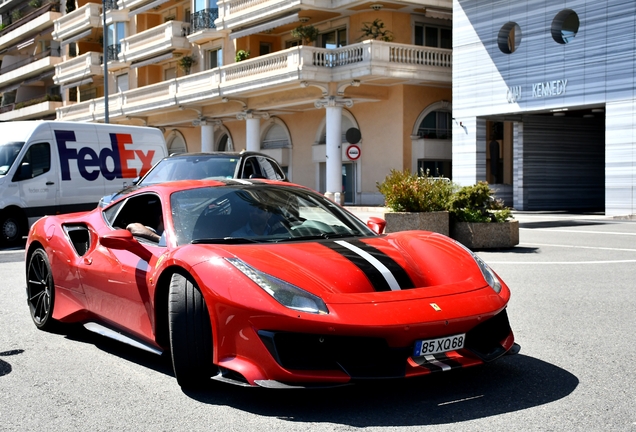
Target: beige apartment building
point(367, 91)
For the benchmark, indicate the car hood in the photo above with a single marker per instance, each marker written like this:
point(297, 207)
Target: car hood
point(397, 266)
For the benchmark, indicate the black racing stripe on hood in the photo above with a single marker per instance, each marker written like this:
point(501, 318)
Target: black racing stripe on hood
point(398, 272)
point(375, 277)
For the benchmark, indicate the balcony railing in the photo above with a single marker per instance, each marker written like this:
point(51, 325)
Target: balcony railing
point(30, 59)
point(204, 19)
point(169, 36)
point(112, 52)
point(367, 59)
point(78, 68)
point(88, 16)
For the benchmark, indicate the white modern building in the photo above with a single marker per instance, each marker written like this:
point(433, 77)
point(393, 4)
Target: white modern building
point(544, 102)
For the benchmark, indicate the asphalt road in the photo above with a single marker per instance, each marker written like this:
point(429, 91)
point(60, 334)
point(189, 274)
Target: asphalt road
point(573, 310)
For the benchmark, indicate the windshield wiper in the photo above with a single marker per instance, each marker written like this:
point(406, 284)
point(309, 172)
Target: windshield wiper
point(225, 240)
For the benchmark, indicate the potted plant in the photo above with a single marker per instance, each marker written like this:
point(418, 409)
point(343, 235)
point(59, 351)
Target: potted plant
point(416, 202)
point(306, 33)
point(479, 221)
point(186, 63)
point(242, 55)
point(375, 30)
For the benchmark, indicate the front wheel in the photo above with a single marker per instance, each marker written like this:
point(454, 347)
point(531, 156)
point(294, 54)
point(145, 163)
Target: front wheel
point(190, 333)
point(40, 290)
point(12, 225)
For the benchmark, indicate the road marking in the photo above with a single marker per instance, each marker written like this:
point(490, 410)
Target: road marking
point(578, 247)
point(562, 262)
point(578, 231)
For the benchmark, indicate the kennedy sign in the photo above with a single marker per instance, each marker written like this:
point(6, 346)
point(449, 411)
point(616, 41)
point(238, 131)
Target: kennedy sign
point(539, 90)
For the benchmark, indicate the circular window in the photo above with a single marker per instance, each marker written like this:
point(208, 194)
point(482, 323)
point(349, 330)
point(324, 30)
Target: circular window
point(509, 38)
point(565, 26)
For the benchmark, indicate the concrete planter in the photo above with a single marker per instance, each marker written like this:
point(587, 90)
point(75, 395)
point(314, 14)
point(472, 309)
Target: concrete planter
point(486, 235)
point(425, 221)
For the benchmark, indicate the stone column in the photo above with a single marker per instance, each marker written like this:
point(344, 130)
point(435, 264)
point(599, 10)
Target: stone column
point(207, 133)
point(333, 106)
point(252, 128)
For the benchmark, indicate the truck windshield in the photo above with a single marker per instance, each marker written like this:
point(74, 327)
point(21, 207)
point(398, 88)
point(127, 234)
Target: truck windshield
point(8, 154)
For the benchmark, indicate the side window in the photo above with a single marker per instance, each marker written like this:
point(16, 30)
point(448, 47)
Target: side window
point(250, 168)
point(36, 162)
point(270, 169)
point(143, 210)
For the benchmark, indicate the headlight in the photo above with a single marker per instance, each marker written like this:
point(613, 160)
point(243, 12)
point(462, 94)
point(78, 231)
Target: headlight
point(489, 275)
point(285, 293)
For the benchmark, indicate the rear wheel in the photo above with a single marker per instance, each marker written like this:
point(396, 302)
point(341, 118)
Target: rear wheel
point(190, 333)
point(40, 290)
point(11, 227)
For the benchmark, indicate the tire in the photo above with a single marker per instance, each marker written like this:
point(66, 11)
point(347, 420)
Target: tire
point(190, 333)
point(12, 225)
point(40, 290)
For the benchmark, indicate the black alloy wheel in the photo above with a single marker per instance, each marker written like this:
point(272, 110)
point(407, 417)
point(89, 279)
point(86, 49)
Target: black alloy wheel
point(40, 290)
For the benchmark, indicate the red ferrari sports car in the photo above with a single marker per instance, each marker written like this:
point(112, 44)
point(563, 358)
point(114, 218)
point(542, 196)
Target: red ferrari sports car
point(266, 283)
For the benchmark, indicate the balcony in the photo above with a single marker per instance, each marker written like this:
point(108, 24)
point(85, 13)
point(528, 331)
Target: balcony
point(202, 27)
point(167, 37)
point(37, 111)
point(367, 62)
point(78, 22)
point(28, 28)
point(29, 69)
point(79, 68)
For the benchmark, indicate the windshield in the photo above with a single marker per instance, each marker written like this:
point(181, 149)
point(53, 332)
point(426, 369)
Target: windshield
point(191, 168)
point(259, 214)
point(8, 154)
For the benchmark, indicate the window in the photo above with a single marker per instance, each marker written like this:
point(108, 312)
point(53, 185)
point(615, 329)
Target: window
point(169, 73)
point(432, 36)
point(509, 38)
point(565, 26)
point(116, 32)
point(436, 125)
point(214, 58)
point(39, 158)
point(435, 168)
point(122, 83)
point(334, 39)
point(264, 48)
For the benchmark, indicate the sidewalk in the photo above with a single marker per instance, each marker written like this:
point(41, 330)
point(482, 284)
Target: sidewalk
point(364, 213)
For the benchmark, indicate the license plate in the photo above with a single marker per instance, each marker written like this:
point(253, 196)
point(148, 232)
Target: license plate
point(441, 345)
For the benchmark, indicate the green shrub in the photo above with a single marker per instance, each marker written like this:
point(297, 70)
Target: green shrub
point(407, 192)
point(476, 204)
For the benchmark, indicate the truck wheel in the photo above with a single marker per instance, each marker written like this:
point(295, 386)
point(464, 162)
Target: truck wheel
point(11, 227)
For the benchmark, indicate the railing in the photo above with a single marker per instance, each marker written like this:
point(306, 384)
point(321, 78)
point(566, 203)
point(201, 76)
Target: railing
point(421, 56)
point(239, 5)
point(204, 19)
point(112, 52)
point(30, 59)
point(295, 63)
point(76, 20)
point(256, 66)
point(49, 7)
point(338, 57)
point(435, 133)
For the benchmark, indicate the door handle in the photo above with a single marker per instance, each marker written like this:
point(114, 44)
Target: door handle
point(88, 261)
point(49, 183)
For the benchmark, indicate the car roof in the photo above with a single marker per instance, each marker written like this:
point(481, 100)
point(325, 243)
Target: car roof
point(218, 154)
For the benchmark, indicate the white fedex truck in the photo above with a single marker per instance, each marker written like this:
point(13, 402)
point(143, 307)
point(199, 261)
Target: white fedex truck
point(50, 167)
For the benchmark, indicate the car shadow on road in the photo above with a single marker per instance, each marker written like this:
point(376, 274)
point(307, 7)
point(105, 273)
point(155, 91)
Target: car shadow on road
point(510, 384)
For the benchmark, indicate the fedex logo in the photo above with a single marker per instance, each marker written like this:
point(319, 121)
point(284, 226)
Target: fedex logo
point(91, 164)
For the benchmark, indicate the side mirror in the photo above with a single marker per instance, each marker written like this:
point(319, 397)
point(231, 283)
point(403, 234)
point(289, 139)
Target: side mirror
point(123, 240)
point(376, 224)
